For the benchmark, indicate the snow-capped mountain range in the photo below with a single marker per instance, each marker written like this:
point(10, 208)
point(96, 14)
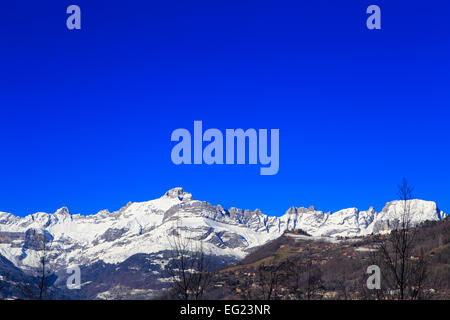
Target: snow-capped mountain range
point(146, 228)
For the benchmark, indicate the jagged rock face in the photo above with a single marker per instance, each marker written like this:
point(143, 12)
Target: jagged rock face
point(35, 239)
point(146, 227)
point(416, 211)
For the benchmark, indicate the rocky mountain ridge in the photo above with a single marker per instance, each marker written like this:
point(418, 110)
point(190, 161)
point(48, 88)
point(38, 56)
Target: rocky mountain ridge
point(145, 227)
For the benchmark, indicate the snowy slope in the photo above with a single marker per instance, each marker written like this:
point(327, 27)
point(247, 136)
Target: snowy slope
point(146, 227)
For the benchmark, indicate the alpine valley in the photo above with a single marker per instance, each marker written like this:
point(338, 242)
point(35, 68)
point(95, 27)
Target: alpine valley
point(126, 254)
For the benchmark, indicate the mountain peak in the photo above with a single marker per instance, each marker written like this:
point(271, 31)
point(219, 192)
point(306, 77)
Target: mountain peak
point(62, 211)
point(296, 210)
point(179, 193)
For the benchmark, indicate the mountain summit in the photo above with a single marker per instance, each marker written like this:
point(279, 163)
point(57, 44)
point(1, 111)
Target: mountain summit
point(179, 193)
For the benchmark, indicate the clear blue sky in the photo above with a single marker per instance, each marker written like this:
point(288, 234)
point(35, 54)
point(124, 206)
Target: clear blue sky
point(86, 116)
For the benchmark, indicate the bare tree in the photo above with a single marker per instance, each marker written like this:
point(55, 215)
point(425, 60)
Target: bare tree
point(268, 276)
point(295, 270)
point(403, 270)
point(313, 279)
point(340, 285)
point(299, 279)
point(189, 266)
point(44, 271)
point(42, 275)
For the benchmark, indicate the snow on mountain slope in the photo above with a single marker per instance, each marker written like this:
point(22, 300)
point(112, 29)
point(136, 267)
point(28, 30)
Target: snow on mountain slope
point(146, 227)
point(417, 210)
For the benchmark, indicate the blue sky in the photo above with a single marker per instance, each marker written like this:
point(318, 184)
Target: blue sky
point(86, 116)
